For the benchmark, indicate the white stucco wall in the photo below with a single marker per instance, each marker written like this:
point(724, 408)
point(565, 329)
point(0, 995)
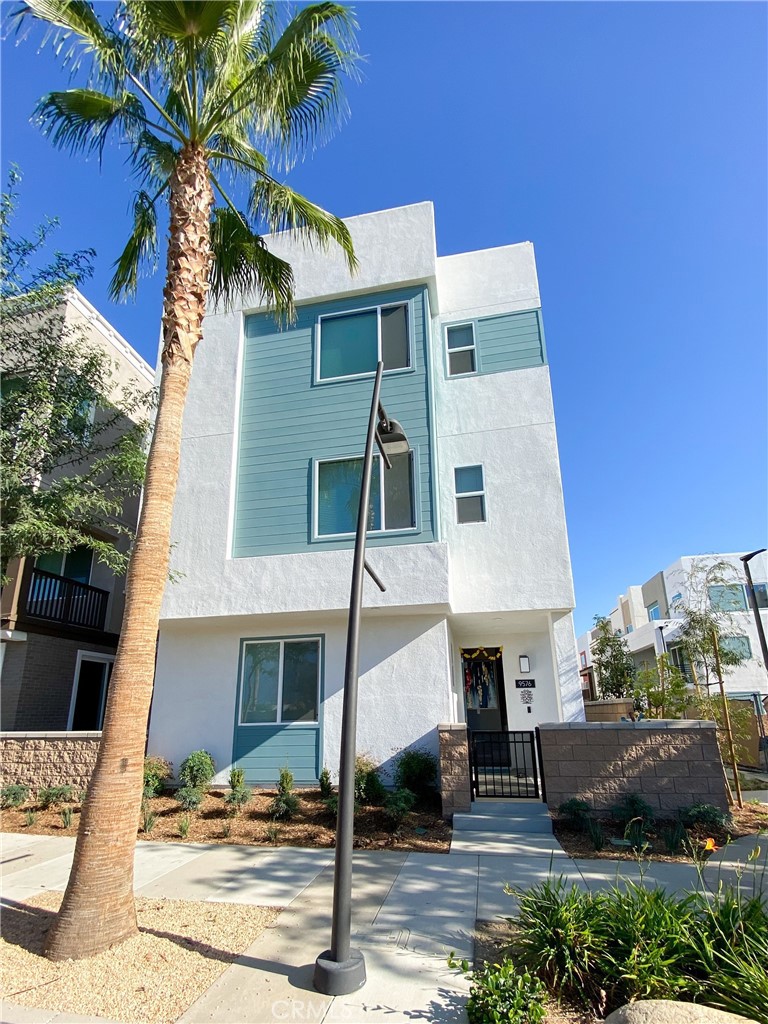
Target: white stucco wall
point(487, 282)
point(404, 684)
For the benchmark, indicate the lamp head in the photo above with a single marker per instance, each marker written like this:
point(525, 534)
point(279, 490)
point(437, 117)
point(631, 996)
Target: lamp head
point(393, 439)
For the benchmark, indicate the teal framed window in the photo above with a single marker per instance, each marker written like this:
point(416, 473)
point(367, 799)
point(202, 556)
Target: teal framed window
point(280, 681)
point(727, 597)
point(761, 594)
point(654, 612)
point(392, 505)
point(351, 344)
point(470, 494)
point(74, 565)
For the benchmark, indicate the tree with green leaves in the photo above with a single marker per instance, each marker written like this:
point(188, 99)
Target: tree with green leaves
point(71, 440)
point(613, 663)
point(207, 95)
point(661, 690)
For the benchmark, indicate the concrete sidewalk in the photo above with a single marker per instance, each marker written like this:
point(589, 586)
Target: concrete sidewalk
point(410, 911)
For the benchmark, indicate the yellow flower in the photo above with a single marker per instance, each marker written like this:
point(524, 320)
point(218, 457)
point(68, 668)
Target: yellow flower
point(709, 845)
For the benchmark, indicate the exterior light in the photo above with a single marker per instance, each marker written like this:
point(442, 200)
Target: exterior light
point(392, 438)
point(525, 663)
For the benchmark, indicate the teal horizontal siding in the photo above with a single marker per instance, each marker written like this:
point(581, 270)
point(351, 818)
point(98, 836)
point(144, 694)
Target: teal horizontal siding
point(287, 421)
point(512, 341)
point(262, 750)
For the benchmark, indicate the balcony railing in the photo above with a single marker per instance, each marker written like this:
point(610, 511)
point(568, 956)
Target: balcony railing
point(66, 601)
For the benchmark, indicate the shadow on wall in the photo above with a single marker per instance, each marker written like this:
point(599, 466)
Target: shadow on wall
point(427, 742)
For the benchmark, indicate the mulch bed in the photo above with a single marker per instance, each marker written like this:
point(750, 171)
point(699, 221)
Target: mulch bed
point(747, 821)
point(313, 825)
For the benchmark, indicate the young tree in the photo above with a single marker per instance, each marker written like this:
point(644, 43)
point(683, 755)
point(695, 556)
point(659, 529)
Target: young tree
point(71, 442)
point(613, 663)
point(661, 690)
point(199, 92)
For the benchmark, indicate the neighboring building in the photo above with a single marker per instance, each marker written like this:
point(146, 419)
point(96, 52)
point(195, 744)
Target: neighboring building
point(648, 617)
point(61, 613)
point(467, 530)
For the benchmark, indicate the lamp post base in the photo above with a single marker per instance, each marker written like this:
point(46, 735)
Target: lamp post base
point(334, 978)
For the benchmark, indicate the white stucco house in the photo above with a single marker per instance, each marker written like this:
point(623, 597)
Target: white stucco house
point(467, 531)
point(648, 616)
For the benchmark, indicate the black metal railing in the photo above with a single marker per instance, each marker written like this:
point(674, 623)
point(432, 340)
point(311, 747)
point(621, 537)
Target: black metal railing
point(503, 764)
point(66, 601)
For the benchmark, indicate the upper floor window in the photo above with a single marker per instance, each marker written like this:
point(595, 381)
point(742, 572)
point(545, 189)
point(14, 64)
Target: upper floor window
point(470, 494)
point(74, 565)
point(630, 628)
point(583, 659)
point(280, 681)
point(738, 645)
point(761, 595)
point(727, 597)
point(462, 354)
point(653, 611)
point(351, 344)
point(392, 505)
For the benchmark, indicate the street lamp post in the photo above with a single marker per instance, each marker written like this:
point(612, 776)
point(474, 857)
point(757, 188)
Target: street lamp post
point(753, 601)
point(341, 969)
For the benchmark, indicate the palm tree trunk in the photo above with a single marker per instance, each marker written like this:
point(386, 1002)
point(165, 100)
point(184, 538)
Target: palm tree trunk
point(98, 908)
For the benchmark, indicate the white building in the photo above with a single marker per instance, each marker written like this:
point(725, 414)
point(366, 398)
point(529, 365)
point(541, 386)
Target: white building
point(467, 530)
point(648, 617)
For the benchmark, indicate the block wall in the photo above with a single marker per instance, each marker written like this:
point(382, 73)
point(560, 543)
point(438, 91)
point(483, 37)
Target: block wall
point(670, 764)
point(40, 759)
point(454, 769)
point(608, 710)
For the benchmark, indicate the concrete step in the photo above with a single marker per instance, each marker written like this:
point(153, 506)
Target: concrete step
point(527, 807)
point(503, 823)
point(529, 844)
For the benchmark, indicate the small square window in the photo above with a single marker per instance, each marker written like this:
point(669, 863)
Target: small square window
point(470, 494)
point(461, 349)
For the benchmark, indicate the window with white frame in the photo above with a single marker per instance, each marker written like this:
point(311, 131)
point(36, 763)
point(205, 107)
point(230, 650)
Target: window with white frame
point(738, 645)
point(654, 612)
point(351, 344)
point(462, 353)
point(280, 681)
point(727, 597)
point(337, 496)
point(470, 494)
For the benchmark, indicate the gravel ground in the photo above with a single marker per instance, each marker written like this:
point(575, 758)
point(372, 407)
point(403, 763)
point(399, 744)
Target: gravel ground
point(182, 948)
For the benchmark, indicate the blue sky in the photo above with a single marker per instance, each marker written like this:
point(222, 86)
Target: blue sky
point(628, 143)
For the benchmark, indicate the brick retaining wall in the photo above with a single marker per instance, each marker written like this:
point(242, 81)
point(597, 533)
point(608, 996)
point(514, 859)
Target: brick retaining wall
point(38, 759)
point(455, 787)
point(671, 764)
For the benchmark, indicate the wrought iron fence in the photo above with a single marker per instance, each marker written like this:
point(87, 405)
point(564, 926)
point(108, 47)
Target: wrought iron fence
point(503, 764)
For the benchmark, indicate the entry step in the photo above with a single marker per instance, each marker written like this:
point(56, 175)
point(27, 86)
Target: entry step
point(509, 822)
point(512, 805)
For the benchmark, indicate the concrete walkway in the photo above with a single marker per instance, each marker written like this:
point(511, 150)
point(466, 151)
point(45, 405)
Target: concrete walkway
point(410, 911)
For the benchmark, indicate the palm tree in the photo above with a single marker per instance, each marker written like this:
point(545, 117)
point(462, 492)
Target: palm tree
point(199, 90)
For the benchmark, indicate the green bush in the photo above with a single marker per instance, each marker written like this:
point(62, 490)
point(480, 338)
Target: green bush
point(157, 771)
point(674, 837)
point(369, 789)
point(238, 798)
point(596, 834)
point(52, 796)
point(575, 812)
point(13, 796)
point(500, 993)
point(397, 805)
point(30, 818)
point(184, 823)
point(66, 817)
point(236, 778)
point(635, 834)
point(285, 804)
point(705, 814)
point(189, 797)
point(148, 820)
point(326, 788)
point(197, 770)
point(332, 804)
point(632, 806)
point(416, 770)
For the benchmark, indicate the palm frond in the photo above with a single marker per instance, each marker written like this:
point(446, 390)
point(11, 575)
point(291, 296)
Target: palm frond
point(141, 248)
point(229, 145)
point(282, 209)
point(153, 159)
point(181, 19)
point(76, 32)
point(80, 119)
point(243, 265)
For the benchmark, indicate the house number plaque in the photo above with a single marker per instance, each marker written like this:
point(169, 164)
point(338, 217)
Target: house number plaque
point(525, 684)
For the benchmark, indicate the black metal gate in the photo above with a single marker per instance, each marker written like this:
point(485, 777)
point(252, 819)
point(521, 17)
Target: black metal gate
point(504, 764)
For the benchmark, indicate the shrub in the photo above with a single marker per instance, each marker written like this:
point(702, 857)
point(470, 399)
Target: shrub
point(326, 789)
point(705, 814)
point(52, 796)
point(632, 806)
point(236, 778)
point(674, 837)
point(499, 992)
point(189, 797)
point(397, 805)
point(13, 796)
point(332, 804)
point(369, 789)
point(596, 834)
point(148, 820)
point(184, 823)
point(416, 770)
point(285, 804)
point(634, 833)
point(575, 812)
point(197, 769)
point(238, 798)
point(157, 771)
point(66, 817)
point(30, 818)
